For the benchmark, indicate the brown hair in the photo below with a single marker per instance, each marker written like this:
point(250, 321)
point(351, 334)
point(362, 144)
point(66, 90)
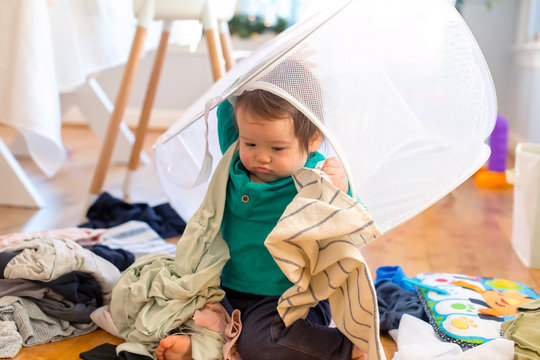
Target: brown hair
point(270, 106)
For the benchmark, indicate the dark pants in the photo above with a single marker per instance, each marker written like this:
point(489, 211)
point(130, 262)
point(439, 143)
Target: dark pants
point(264, 335)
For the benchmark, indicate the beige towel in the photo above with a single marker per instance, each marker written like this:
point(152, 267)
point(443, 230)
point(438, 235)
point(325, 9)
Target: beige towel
point(316, 243)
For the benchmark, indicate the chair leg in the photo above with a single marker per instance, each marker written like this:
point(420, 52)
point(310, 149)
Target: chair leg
point(210, 25)
point(214, 51)
point(226, 44)
point(118, 112)
point(146, 111)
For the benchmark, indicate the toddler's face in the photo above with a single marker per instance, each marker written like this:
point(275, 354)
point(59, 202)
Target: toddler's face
point(268, 148)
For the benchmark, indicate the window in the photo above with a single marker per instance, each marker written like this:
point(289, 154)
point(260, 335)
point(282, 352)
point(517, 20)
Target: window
point(528, 22)
point(527, 47)
point(272, 10)
point(533, 28)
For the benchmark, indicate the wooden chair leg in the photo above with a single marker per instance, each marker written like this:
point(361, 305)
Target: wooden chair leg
point(226, 44)
point(214, 52)
point(146, 110)
point(118, 112)
point(210, 26)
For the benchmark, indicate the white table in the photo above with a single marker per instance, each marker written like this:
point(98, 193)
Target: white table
point(48, 48)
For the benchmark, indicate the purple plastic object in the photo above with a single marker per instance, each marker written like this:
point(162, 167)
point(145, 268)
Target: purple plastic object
point(498, 141)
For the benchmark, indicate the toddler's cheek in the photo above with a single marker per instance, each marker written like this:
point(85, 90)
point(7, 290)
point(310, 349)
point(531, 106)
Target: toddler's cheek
point(245, 161)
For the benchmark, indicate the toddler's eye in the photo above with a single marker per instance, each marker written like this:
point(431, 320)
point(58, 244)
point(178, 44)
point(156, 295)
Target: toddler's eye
point(249, 144)
point(278, 148)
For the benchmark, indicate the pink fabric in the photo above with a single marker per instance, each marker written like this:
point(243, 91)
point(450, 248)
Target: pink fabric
point(80, 235)
point(232, 331)
point(213, 316)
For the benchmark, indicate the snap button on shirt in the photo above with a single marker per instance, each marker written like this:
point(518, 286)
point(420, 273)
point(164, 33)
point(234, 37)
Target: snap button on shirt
point(245, 198)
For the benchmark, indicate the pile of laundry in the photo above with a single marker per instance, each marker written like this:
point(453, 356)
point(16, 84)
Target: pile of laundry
point(55, 284)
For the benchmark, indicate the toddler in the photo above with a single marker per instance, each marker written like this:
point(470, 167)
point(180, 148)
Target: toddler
point(274, 140)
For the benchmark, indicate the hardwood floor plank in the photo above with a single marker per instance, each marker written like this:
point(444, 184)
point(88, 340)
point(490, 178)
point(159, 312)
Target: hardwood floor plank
point(69, 348)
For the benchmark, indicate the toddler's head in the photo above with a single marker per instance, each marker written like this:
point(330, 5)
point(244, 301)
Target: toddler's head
point(275, 138)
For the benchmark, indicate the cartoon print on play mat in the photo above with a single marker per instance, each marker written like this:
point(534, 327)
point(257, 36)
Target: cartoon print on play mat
point(501, 300)
point(474, 307)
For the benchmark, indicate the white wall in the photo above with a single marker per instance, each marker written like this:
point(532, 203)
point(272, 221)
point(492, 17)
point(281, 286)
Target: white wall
point(517, 86)
point(184, 77)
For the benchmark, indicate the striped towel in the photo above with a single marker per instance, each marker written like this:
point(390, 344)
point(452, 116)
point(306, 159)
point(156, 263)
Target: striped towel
point(316, 243)
point(138, 238)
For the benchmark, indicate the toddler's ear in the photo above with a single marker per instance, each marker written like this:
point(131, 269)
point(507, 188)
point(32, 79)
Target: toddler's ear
point(315, 141)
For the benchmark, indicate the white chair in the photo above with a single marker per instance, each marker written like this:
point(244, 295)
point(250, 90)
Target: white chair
point(214, 16)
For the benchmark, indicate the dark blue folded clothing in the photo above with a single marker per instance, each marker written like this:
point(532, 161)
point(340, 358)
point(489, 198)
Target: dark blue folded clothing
point(108, 211)
point(107, 351)
point(394, 301)
point(120, 258)
point(76, 286)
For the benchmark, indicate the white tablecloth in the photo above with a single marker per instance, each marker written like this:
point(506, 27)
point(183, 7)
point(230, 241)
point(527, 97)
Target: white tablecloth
point(47, 47)
point(50, 47)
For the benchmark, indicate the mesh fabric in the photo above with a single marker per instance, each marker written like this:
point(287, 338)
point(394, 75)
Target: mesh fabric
point(400, 90)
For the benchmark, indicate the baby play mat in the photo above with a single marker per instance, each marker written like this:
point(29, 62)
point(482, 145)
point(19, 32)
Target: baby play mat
point(399, 88)
point(469, 310)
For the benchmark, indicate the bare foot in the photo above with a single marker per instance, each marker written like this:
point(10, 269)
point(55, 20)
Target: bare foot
point(174, 347)
point(358, 354)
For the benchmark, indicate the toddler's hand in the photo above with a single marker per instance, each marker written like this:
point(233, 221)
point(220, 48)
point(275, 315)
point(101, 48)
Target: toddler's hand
point(334, 169)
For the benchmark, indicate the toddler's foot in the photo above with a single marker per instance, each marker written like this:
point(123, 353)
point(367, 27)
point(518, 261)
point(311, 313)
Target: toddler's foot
point(174, 347)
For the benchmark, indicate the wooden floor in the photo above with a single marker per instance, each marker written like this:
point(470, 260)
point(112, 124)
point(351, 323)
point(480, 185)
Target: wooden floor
point(468, 231)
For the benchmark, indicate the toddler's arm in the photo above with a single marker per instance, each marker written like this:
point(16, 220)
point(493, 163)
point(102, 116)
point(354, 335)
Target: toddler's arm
point(227, 132)
point(334, 169)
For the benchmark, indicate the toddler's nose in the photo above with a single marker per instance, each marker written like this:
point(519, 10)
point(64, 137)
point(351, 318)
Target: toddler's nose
point(263, 157)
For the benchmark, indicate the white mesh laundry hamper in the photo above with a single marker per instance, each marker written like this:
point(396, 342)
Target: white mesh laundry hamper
point(406, 102)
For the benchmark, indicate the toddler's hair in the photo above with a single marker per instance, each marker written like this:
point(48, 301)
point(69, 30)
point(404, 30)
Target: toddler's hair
point(269, 106)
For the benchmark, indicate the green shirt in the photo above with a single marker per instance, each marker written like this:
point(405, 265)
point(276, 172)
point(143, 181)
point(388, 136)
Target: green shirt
point(251, 212)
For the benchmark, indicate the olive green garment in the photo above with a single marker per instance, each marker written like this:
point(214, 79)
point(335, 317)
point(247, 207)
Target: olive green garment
point(524, 331)
point(159, 294)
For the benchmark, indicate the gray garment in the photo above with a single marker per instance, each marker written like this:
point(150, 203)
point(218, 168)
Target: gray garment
point(10, 340)
point(66, 309)
point(26, 288)
point(47, 259)
point(34, 326)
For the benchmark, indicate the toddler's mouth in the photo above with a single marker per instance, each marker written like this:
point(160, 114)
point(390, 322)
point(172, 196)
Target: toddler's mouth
point(262, 170)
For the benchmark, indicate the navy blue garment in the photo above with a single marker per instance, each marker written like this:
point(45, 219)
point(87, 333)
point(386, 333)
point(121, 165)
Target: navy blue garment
point(5, 258)
point(120, 258)
point(108, 211)
point(76, 286)
point(394, 301)
point(264, 335)
point(107, 351)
